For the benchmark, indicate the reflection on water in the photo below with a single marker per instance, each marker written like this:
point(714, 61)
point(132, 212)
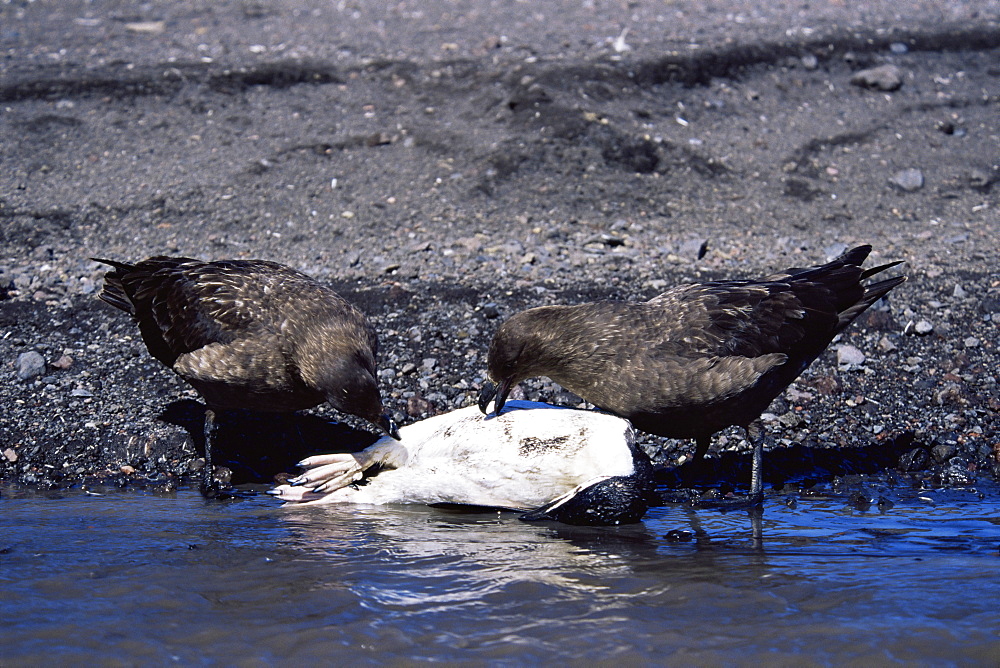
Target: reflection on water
point(135, 578)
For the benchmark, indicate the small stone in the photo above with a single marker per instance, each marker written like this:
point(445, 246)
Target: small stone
point(883, 77)
point(791, 419)
point(909, 180)
point(678, 535)
point(923, 328)
point(959, 292)
point(30, 365)
point(879, 320)
point(980, 179)
point(491, 311)
point(957, 473)
point(950, 394)
point(399, 293)
point(417, 406)
point(914, 460)
point(945, 127)
point(428, 363)
point(797, 396)
point(859, 501)
point(943, 452)
point(809, 61)
point(899, 48)
point(408, 368)
point(437, 398)
point(886, 346)
point(971, 342)
point(64, 362)
point(129, 470)
point(849, 357)
point(146, 27)
point(989, 305)
point(10, 455)
point(827, 385)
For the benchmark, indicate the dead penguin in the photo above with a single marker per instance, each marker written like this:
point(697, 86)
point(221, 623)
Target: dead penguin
point(250, 334)
point(697, 358)
point(578, 467)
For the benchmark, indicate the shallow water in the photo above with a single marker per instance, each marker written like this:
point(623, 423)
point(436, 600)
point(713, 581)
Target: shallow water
point(134, 578)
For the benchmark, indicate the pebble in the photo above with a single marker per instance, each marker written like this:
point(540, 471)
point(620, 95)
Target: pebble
point(989, 305)
point(943, 452)
point(859, 501)
point(791, 420)
point(417, 406)
point(923, 328)
point(909, 180)
point(825, 384)
point(30, 365)
point(146, 27)
point(971, 342)
point(914, 460)
point(810, 62)
point(849, 357)
point(10, 455)
point(979, 178)
point(883, 77)
point(64, 362)
point(437, 398)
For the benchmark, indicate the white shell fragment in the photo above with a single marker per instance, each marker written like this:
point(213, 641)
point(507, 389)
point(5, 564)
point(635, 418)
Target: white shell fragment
point(528, 456)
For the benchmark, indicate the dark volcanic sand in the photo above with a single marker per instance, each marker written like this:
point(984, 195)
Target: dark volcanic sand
point(447, 164)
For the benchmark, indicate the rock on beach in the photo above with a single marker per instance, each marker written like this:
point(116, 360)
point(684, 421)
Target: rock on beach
point(883, 77)
point(30, 365)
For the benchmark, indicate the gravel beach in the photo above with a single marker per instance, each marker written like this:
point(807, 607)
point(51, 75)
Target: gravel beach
point(445, 165)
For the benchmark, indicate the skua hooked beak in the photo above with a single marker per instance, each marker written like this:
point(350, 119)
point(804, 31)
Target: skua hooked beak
point(486, 394)
point(503, 389)
point(495, 393)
